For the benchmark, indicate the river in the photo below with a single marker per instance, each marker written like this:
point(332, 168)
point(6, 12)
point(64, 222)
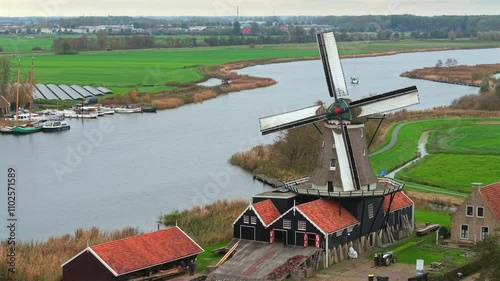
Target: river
point(127, 170)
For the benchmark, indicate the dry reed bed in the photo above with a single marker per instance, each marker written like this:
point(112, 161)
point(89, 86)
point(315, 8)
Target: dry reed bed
point(42, 260)
point(458, 74)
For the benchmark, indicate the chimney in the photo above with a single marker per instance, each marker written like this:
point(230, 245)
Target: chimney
point(477, 185)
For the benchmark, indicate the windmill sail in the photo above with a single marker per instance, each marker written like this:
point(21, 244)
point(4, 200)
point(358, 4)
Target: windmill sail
point(386, 102)
point(292, 119)
point(344, 162)
point(331, 63)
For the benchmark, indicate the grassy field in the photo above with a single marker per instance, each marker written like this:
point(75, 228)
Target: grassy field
point(405, 148)
point(476, 139)
point(128, 69)
point(468, 142)
point(442, 218)
point(454, 172)
point(154, 70)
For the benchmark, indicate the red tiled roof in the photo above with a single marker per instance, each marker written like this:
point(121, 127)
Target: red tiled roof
point(491, 194)
point(400, 201)
point(266, 211)
point(324, 213)
point(246, 30)
point(142, 251)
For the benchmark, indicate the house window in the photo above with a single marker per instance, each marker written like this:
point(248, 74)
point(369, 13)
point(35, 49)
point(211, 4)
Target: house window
point(484, 232)
point(470, 211)
point(350, 228)
point(339, 233)
point(253, 220)
point(287, 224)
point(301, 225)
point(480, 212)
point(464, 231)
point(333, 164)
point(370, 211)
point(245, 219)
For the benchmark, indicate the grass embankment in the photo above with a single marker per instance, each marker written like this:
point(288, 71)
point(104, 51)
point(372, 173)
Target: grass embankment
point(469, 147)
point(41, 261)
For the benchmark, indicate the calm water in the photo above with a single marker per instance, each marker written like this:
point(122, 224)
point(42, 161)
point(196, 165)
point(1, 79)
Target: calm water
point(126, 170)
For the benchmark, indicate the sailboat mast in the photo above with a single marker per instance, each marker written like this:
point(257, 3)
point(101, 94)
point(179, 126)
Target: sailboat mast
point(17, 89)
point(31, 88)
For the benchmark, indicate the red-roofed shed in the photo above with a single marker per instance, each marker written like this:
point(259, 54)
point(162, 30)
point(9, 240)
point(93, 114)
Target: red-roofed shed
point(134, 256)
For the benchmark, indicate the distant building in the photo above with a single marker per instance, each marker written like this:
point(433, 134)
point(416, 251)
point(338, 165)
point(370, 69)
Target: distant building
point(157, 253)
point(478, 215)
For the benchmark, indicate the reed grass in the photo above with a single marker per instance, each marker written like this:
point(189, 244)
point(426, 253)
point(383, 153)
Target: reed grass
point(41, 261)
point(204, 95)
point(208, 224)
point(167, 103)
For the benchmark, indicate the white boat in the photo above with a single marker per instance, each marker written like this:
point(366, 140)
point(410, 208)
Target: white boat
point(354, 80)
point(5, 129)
point(55, 126)
point(106, 110)
point(124, 110)
point(81, 112)
point(25, 117)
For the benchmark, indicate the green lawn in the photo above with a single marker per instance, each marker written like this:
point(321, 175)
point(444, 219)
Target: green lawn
point(454, 172)
point(442, 218)
point(128, 69)
point(406, 147)
point(475, 139)
point(25, 43)
point(208, 258)
point(476, 142)
point(424, 247)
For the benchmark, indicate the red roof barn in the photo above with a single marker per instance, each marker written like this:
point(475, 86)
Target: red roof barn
point(135, 256)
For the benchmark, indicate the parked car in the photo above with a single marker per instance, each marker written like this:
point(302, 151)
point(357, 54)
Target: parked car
point(90, 100)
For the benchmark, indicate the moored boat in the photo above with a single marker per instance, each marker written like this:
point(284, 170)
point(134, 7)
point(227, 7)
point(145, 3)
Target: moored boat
point(20, 130)
point(150, 109)
point(55, 126)
point(5, 129)
point(126, 108)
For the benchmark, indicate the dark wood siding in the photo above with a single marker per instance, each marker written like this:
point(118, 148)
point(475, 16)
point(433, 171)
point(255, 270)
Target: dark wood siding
point(394, 218)
point(86, 267)
point(295, 235)
point(261, 233)
point(359, 208)
point(345, 236)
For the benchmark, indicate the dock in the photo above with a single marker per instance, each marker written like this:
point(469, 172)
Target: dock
point(268, 180)
point(278, 183)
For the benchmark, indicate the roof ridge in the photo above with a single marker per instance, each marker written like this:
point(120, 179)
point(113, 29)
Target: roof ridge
point(133, 237)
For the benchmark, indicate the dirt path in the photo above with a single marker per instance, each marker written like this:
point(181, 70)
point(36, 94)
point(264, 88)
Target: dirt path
point(359, 269)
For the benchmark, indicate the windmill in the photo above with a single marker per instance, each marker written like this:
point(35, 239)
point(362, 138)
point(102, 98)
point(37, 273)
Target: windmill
point(343, 168)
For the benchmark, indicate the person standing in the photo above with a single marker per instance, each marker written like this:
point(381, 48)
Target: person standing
point(191, 268)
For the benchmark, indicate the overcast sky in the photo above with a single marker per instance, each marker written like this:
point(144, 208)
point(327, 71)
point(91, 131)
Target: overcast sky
point(246, 7)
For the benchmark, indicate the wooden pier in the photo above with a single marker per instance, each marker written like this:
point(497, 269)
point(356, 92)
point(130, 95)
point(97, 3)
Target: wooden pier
point(278, 183)
point(268, 180)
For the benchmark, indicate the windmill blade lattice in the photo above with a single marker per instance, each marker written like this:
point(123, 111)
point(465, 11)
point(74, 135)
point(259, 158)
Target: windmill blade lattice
point(386, 102)
point(331, 64)
point(291, 119)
